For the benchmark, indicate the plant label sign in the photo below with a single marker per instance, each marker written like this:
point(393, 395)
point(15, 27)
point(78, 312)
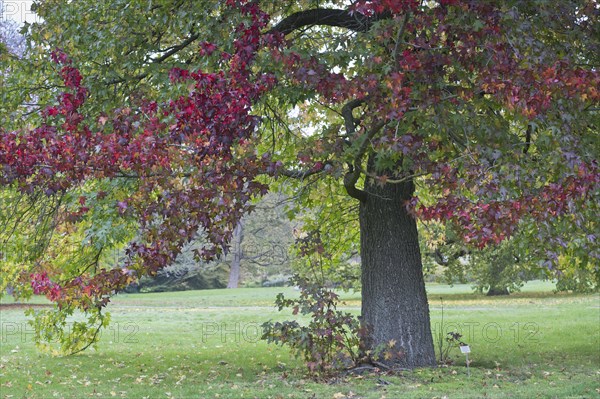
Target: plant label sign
point(465, 349)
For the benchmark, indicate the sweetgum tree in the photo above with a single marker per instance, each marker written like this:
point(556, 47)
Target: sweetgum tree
point(170, 116)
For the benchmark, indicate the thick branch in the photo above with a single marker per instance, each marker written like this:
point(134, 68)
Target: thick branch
point(353, 174)
point(349, 122)
point(329, 17)
point(350, 180)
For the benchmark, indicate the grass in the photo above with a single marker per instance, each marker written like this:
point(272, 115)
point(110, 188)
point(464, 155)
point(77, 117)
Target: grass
point(197, 344)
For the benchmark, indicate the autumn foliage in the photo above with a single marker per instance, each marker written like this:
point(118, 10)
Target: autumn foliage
point(461, 108)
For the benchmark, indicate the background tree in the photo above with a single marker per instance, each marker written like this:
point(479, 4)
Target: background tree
point(486, 112)
point(497, 269)
point(186, 273)
point(263, 254)
point(500, 270)
point(259, 254)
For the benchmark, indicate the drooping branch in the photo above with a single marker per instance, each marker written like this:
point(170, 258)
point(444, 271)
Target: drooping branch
point(94, 337)
point(326, 17)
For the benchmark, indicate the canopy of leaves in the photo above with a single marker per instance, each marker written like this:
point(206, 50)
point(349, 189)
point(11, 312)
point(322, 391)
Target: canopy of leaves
point(170, 116)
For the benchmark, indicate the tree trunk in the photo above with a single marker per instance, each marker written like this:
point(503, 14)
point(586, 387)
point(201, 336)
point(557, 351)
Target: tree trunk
point(497, 266)
point(493, 291)
point(236, 256)
point(394, 301)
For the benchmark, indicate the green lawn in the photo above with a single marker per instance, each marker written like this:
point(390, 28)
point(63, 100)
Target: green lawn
point(196, 344)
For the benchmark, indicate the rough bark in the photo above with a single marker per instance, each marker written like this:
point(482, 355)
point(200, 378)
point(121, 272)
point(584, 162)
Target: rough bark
point(394, 301)
point(236, 256)
point(326, 17)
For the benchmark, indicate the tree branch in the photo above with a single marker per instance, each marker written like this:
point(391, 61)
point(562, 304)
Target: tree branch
point(528, 138)
point(347, 109)
point(174, 49)
point(94, 337)
point(399, 39)
point(353, 174)
point(403, 179)
point(329, 17)
point(350, 180)
point(168, 53)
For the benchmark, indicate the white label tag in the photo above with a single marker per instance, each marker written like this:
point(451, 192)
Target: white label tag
point(465, 349)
